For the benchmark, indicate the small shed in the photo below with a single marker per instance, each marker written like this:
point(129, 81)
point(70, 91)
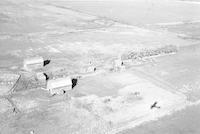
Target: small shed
point(118, 65)
point(34, 63)
point(59, 85)
point(91, 69)
point(41, 78)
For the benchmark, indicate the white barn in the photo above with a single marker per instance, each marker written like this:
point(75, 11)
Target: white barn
point(31, 64)
point(59, 86)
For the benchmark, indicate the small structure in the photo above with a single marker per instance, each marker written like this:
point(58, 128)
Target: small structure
point(118, 65)
point(59, 85)
point(34, 63)
point(91, 69)
point(41, 78)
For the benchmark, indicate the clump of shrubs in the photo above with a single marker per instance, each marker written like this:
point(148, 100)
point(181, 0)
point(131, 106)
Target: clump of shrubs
point(151, 52)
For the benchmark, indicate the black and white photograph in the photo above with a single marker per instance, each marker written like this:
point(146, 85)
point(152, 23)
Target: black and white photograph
point(99, 66)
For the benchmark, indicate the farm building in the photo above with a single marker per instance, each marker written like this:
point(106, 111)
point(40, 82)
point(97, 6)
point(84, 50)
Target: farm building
point(41, 78)
point(118, 65)
point(59, 85)
point(31, 64)
point(90, 69)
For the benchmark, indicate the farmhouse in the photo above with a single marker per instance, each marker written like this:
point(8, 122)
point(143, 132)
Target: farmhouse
point(59, 85)
point(31, 64)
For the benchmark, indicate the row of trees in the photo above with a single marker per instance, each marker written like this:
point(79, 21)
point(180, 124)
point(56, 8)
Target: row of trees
point(151, 52)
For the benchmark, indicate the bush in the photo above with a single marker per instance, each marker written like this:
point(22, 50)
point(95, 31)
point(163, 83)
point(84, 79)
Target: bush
point(151, 52)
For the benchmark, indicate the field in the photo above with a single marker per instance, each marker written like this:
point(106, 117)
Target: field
point(137, 13)
point(180, 122)
point(112, 109)
point(77, 34)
